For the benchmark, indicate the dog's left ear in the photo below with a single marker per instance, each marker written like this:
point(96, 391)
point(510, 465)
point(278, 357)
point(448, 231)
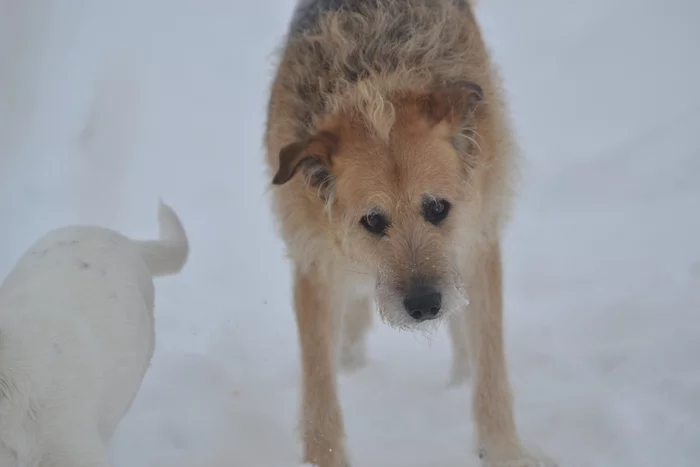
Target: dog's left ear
point(452, 103)
point(320, 146)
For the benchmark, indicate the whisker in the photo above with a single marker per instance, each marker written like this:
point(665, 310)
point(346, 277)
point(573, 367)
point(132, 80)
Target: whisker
point(359, 273)
point(473, 140)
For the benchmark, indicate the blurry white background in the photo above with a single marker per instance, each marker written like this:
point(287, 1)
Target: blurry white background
point(107, 105)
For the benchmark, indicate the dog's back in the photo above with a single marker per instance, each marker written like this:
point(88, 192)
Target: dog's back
point(307, 11)
point(77, 335)
point(354, 55)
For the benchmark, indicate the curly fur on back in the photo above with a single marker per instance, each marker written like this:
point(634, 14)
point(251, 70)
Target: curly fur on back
point(354, 55)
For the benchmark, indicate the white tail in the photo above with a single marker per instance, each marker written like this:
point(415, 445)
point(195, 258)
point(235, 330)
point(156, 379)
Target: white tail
point(168, 254)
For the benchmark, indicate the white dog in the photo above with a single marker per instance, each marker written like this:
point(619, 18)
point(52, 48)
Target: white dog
point(76, 338)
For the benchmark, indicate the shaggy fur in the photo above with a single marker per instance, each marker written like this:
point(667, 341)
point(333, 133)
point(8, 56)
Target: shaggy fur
point(76, 338)
point(383, 115)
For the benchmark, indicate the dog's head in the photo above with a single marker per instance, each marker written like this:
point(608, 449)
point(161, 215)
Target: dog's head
point(397, 204)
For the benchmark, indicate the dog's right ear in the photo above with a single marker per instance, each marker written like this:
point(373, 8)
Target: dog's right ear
point(452, 103)
point(320, 146)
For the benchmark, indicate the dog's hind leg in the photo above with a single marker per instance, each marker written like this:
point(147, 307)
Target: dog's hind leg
point(357, 319)
point(81, 448)
point(461, 365)
point(77, 459)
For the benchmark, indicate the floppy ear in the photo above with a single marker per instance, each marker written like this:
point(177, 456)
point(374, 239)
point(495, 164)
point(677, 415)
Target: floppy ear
point(452, 103)
point(321, 147)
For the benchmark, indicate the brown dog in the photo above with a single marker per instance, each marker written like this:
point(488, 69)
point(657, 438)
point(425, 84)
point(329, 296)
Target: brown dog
point(392, 163)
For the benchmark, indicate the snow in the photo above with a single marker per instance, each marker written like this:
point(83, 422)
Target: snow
point(106, 106)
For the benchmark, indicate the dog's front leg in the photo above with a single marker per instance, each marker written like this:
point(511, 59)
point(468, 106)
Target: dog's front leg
point(497, 439)
point(321, 418)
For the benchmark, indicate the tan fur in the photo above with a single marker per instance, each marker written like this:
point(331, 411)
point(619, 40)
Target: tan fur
point(383, 111)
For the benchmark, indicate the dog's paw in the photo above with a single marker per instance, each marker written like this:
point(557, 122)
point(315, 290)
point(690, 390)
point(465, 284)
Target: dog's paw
point(522, 459)
point(327, 460)
point(522, 462)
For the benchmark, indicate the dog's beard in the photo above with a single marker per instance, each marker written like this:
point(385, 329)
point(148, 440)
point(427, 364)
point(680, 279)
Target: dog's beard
point(392, 311)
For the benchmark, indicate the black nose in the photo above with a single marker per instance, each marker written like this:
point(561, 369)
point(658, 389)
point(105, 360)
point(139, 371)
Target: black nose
point(422, 302)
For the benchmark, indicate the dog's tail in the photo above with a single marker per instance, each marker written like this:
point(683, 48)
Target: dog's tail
point(168, 254)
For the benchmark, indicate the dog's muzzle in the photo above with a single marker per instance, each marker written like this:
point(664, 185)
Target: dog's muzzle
point(423, 302)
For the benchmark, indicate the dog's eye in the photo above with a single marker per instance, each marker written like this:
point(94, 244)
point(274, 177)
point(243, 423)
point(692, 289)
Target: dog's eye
point(375, 223)
point(435, 210)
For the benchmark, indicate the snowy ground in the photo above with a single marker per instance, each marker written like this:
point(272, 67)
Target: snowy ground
point(105, 106)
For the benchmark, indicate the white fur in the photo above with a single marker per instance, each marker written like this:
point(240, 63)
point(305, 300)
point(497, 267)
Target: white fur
point(76, 338)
